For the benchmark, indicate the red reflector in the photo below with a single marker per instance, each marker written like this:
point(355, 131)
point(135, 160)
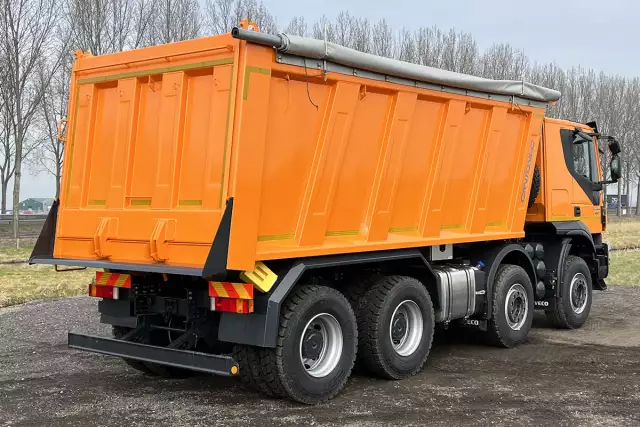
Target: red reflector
point(113, 279)
point(232, 305)
point(108, 292)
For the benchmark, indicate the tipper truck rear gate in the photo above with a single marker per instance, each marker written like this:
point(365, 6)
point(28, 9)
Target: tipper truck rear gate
point(258, 193)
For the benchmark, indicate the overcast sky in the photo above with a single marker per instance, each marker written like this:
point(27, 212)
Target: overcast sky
point(603, 35)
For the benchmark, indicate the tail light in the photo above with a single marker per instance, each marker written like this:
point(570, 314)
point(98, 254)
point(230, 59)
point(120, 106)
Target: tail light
point(231, 297)
point(232, 305)
point(101, 291)
point(107, 285)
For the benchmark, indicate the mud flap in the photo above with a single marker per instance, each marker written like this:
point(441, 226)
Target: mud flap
point(215, 267)
point(46, 240)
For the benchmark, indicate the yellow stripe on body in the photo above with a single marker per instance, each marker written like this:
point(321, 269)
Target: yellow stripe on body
point(220, 290)
point(242, 292)
point(120, 281)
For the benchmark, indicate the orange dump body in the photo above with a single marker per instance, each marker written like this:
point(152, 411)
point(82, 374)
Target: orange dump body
point(160, 138)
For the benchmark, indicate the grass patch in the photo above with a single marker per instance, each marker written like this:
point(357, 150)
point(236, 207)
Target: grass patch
point(623, 233)
point(624, 268)
point(20, 283)
point(13, 254)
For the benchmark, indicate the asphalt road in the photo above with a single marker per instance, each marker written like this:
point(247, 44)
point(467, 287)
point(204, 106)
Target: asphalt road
point(585, 377)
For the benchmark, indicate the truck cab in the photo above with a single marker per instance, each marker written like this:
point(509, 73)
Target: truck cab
point(570, 203)
point(569, 160)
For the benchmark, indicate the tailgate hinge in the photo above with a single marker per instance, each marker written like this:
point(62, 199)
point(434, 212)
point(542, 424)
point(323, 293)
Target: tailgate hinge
point(107, 227)
point(164, 231)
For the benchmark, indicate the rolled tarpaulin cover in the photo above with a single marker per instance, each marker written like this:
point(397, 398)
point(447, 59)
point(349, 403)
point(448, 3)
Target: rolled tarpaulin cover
point(320, 49)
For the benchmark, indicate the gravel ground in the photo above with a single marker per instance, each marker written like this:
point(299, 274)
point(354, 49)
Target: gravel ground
point(585, 377)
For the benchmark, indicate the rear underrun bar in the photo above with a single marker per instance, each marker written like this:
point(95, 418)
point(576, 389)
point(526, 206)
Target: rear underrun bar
point(185, 359)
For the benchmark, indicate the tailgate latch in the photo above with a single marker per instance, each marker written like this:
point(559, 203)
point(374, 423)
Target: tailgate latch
point(163, 232)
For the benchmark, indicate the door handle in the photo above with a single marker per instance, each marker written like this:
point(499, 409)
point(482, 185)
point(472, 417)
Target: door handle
point(576, 211)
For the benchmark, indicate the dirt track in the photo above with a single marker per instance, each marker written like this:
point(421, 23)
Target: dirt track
point(585, 377)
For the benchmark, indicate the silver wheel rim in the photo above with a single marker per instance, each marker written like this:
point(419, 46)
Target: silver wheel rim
point(578, 293)
point(321, 345)
point(405, 330)
point(516, 307)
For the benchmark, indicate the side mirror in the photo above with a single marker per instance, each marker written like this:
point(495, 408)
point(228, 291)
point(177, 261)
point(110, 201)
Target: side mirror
point(616, 168)
point(580, 137)
point(614, 147)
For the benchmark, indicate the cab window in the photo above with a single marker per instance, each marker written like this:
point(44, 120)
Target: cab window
point(583, 160)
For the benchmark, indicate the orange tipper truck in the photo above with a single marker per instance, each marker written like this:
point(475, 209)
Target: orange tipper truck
point(277, 208)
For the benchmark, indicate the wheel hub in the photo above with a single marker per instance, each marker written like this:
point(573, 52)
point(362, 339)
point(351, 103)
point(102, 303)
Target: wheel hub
point(516, 307)
point(321, 345)
point(406, 327)
point(312, 343)
point(578, 293)
point(398, 327)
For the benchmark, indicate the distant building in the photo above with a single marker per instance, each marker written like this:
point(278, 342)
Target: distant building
point(36, 205)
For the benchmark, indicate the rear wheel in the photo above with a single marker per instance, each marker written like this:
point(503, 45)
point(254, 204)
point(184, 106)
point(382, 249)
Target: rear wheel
point(120, 331)
point(512, 308)
point(396, 326)
point(316, 346)
point(248, 358)
point(573, 306)
point(158, 338)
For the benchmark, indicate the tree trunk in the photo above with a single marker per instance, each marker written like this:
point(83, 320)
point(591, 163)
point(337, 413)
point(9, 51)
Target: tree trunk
point(638, 197)
point(16, 177)
point(619, 207)
point(3, 208)
point(58, 184)
point(628, 191)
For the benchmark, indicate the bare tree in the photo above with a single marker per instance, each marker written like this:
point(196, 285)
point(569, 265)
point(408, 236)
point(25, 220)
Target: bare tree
point(323, 29)
point(297, 26)
point(429, 45)
point(174, 20)
point(343, 29)
point(49, 152)
point(256, 12)
point(7, 149)
point(89, 24)
point(26, 28)
point(220, 16)
point(382, 43)
point(406, 47)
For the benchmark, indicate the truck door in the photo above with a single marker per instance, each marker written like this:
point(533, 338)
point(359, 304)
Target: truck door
point(581, 157)
point(572, 169)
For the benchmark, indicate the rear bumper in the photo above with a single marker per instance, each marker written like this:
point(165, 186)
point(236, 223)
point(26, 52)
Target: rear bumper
point(195, 361)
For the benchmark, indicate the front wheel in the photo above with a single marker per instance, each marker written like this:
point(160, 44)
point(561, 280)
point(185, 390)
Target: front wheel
point(512, 308)
point(573, 306)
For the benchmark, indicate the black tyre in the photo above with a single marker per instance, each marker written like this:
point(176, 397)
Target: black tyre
point(248, 358)
point(118, 332)
point(162, 338)
point(512, 312)
point(395, 326)
point(316, 349)
point(574, 304)
point(535, 186)
point(355, 289)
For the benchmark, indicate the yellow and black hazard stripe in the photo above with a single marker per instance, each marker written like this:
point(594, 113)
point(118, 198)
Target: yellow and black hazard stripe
point(231, 290)
point(113, 279)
